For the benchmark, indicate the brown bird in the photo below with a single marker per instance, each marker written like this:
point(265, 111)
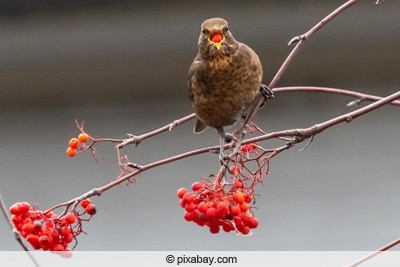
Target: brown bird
point(224, 78)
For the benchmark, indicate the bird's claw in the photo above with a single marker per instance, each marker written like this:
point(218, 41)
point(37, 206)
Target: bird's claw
point(266, 92)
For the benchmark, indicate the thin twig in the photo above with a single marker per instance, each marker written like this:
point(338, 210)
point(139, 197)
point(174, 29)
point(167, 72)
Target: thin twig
point(358, 95)
point(135, 140)
point(375, 253)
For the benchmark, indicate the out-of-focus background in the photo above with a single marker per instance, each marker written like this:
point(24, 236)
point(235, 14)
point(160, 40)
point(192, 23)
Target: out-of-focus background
point(121, 67)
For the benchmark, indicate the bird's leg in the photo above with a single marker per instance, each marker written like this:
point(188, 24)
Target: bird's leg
point(239, 135)
point(221, 151)
point(222, 138)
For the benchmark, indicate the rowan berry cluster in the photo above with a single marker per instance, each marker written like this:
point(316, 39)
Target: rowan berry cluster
point(76, 144)
point(47, 230)
point(224, 202)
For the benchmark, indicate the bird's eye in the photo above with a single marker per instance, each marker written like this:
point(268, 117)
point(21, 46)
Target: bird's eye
point(226, 29)
point(204, 31)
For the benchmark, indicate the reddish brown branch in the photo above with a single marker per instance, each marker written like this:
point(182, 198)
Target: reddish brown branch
point(135, 140)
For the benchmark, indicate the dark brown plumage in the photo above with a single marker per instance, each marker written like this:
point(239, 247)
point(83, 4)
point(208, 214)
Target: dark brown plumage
point(224, 78)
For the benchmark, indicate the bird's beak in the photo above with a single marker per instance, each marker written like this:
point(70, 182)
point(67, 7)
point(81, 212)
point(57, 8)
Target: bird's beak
point(216, 37)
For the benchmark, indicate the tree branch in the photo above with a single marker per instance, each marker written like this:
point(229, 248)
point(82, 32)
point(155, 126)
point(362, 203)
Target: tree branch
point(360, 96)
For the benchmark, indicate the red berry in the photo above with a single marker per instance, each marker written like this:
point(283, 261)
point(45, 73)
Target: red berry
point(68, 238)
point(44, 240)
point(83, 137)
point(238, 197)
point(24, 207)
point(235, 210)
point(14, 209)
point(197, 215)
point(181, 192)
point(16, 219)
point(197, 186)
point(71, 152)
point(49, 223)
point(244, 206)
point(55, 235)
point(50, 214)
point(27, 227)
point(33, 240)
point(85, 203)
point(188, 197)
point(211, 212)
point(37, 226)
point(253, 223)
point(202, 206)
point(222, 209)
point(246, 230)
point(91, 209)
point(70, 218)
point(58, 247)
point(216, 37)
point(191, 206)
point(248, 198)
point(238, 223)
point(65, 231)
point(182, 203)
point(188, 216)
point(200, 222)
point(227, 226)
point(245, 148)
point(73, 143)
point(214, 229)
point(239, 184)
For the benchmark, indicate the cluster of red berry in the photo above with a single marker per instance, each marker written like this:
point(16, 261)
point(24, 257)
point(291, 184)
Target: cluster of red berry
point(75, 144)
point(225, 204)
point(216, 207)
point(45, 230)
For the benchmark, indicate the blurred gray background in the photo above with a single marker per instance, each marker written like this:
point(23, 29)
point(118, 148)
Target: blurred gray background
point(121, 67)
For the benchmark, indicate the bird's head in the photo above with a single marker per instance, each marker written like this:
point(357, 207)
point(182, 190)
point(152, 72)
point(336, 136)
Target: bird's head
point(215, 34)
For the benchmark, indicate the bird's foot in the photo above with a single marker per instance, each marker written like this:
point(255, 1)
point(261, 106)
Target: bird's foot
point(266, 92)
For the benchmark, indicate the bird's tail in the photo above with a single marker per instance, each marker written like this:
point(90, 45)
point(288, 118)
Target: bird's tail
point(199, 127)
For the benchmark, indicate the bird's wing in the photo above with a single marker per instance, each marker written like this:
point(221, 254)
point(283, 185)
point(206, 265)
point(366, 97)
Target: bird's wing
point(193, 68)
